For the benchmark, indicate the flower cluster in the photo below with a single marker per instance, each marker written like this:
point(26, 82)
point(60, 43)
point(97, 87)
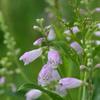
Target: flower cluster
point(49, 75)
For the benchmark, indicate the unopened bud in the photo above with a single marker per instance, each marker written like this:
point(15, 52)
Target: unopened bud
point(83, 67)
point(36, 28)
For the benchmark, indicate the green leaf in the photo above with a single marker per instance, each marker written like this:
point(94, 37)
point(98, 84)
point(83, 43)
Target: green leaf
point(25, 87)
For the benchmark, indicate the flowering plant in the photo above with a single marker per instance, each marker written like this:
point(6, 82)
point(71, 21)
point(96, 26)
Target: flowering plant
point(68, 50)
point(58, 46)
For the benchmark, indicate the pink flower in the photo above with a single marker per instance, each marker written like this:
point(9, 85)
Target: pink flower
point(54, 57)
point(67, 83)
point(2, 80)
point(76, 47)
point(30, 56)
point(47, 75)
point(39, 41)
point(33, 94)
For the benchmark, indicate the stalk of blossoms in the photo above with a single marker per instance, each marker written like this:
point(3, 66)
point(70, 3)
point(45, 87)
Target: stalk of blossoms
point(88, 75)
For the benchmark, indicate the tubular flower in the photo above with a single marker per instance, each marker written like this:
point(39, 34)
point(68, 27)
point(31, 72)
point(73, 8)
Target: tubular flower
point(33, 94)
point(67, 83)
point(47, 75)
point(51, 35)
point(39, 41)
point(54, 58)
point(30, 56)
point(76, 47)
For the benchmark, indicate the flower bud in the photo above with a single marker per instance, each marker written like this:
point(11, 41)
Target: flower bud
point(40, 21)
point(38, 42)
point(83, 68)
point(37, 28)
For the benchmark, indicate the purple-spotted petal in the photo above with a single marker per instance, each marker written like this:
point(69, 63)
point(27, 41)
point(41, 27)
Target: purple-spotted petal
point(69, 83)
point(47, 75)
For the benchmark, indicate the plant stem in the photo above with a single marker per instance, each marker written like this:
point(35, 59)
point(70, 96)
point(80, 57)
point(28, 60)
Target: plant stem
point(84, 88)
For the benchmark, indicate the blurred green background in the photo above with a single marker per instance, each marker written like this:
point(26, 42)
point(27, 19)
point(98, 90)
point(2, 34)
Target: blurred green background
point(19, 16)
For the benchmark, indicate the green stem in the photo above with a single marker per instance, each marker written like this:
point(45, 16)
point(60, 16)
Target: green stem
point(84, 88)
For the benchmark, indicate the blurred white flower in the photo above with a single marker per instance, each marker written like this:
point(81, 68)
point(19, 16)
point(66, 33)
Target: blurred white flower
point(97, 42)
point(67, 32)
point(97, 33)
point(97, 9)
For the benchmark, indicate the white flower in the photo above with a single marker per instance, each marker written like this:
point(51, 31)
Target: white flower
point(67, 32)
point(30, 56)
point(33, 94)
point(97, 42)
point(51, 35)
point(98, 25)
